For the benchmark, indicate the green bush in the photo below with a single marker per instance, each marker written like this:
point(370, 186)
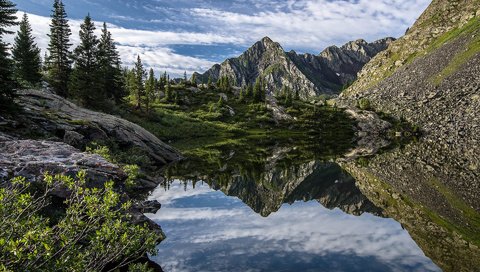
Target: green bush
point(94, 231)
point(364, 104)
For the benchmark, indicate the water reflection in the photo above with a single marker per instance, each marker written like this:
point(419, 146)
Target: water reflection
point(209, 231)
point(268, 205)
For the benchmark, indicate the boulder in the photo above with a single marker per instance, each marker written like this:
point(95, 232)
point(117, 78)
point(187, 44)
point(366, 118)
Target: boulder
point(50, 116)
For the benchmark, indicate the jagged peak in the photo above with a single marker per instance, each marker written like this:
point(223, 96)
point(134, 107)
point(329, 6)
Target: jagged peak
point(266, 40)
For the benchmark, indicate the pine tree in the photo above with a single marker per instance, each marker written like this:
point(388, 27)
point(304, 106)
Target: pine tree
point(139, 88)
point(185, 77)
point(209, 83)
point(249, 91)
point(85, 81)
point(168, 92)
point(149, 89)
point(7, 82)
point(258, 89)
point(110, 67)
point(241, 95)
point(7, 16)
point(26, 55)
point(194, 80)
point(59, 61)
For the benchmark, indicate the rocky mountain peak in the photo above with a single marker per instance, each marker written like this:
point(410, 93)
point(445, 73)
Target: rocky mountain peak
point(307, 74)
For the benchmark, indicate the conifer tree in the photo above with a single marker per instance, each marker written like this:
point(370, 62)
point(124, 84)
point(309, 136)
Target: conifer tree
point(149, 89)
point(7, 83)
point(7, 17)
point(258, 89)
point(26, 55)
point(241, 95)
point(185, 77)
point(249, 91)
point(168, 92)
point(110, 66)
point(59, 60)
point(139, 88)
point(210, 82)
point(85, 81)
point(194, 80)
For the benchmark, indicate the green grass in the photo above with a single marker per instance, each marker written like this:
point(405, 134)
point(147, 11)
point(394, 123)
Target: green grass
point(457, 62)
point(468, 28)
point(467, 212)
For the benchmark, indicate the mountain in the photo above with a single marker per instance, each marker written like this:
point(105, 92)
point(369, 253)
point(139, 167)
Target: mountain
point(431, 78)
point(308, 74)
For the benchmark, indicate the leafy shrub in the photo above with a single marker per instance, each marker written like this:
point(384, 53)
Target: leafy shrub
point(364, 104)
point(94, 231)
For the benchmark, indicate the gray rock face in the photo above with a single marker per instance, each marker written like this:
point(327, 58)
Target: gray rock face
point(46, 115)
point(307, 74)
point(32, 158)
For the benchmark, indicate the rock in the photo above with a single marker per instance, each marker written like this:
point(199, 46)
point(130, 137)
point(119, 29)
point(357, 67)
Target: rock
point(74, 139)
point(53, 116)
point(148, 206)
point(32, 158)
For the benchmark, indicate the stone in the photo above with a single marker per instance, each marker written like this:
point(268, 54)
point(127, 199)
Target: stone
point(74, 139)
point(54, 116)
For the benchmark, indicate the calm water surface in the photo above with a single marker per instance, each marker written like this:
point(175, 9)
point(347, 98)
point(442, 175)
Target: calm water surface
point(275, 207)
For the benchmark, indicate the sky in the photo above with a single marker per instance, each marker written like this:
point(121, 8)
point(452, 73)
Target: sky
point(189, 35)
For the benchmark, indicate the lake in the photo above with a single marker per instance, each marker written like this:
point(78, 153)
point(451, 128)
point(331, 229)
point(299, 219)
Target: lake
point(262, 204)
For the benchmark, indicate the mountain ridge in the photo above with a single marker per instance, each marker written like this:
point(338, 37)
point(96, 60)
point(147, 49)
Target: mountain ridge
point(308, 74)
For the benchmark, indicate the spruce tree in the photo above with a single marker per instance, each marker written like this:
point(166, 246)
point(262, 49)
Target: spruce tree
point(194, 80)
point(110, 67)
point(85, 81)
point(209, 83)
point(257, 90)
point(139, 88)
point(149, 89)
point(59, 59)
point(26, 56)
point(7, 82)
point(168, 92)
point(7, 16)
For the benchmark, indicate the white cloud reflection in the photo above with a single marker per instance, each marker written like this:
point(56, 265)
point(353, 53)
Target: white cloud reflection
point(210, 238)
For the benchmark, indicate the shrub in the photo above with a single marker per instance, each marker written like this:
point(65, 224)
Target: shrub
point(364, 104)
point(95, 230)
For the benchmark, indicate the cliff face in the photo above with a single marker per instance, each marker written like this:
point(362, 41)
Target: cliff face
point(307, 74)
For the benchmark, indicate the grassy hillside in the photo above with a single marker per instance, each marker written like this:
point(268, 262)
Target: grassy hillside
point(201, 113)
point(442, 22)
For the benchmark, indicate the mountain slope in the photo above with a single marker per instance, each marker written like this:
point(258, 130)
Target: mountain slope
point(307, 74)
point(431, 77)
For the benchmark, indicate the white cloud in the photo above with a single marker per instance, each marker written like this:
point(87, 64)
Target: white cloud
point(304, 25)
point(317, 24)
point(152, 46)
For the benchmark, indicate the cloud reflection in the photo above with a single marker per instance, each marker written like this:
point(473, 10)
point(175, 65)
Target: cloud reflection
point(210, 237)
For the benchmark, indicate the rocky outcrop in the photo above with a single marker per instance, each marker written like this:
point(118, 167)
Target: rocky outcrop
point(48, 116)
point(307, 74)
point(32, 158)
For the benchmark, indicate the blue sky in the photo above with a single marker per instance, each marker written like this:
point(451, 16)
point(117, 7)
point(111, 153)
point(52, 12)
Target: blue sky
point(192, 35)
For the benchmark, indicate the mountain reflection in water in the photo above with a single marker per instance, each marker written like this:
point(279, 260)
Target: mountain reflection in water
point(276, 212)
